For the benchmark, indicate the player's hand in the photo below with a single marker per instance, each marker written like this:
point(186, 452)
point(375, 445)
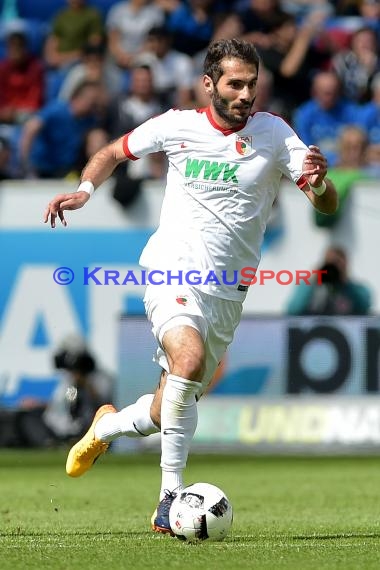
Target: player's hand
point(62, 202)
point(314, 166)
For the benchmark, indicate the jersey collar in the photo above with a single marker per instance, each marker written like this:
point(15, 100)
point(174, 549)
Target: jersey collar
point(225, 132)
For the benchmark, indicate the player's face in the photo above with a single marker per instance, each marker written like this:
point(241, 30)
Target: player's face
point(233, 95)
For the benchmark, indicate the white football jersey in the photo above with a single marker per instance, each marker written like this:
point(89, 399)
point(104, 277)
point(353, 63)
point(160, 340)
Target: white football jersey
point(220, 189)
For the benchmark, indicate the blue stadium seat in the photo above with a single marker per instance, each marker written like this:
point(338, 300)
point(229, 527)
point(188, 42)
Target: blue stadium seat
point(43, 10)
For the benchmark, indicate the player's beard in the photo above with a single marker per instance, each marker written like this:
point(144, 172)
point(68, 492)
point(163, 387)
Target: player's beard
point(221, 106)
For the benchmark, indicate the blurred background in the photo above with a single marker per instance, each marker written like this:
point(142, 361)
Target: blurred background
point(302, 374)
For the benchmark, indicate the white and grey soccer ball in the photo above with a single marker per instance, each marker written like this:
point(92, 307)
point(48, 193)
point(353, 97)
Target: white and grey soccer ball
point(201, 511)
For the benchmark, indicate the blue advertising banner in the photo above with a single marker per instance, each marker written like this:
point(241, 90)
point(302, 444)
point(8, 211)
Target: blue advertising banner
point(47, 292)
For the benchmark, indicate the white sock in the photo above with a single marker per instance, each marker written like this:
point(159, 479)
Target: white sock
point(132, 421)
point(171, 480)
point(178, 423)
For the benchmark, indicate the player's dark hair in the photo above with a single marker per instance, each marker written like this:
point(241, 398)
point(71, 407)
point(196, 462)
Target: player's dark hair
point(227, 49)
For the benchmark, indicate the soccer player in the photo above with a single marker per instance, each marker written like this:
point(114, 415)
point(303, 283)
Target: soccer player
point(225, 168)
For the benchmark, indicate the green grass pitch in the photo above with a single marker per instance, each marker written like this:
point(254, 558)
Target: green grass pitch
point(290, 513)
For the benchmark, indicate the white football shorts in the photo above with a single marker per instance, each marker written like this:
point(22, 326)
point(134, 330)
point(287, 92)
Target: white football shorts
point(216, 319)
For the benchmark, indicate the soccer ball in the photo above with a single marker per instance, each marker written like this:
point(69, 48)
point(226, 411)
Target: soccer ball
point(201, 511)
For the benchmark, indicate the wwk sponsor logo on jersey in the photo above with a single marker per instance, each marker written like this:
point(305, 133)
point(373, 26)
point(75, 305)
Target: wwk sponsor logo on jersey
point(206, 170)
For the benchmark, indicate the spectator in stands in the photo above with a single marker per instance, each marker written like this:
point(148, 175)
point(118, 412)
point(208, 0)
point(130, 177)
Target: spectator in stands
point(21, 81)
point(370, 120)
point(291, 57)
point(336, 293)
point(172, 70)
point(52, 139)
point(352, 148)
point(367, 14)
point(266, 99)
point(253, 21)
point(5, 157)
point(93, 141)
point(126, 112)
point(356, 66)
point(320, 120)
point(136, 105)
point(302, 9)
point(351, 167)
point(192, 25)
point(72, 29)
point(92, 67)
point(127, 24)
point(369, 10)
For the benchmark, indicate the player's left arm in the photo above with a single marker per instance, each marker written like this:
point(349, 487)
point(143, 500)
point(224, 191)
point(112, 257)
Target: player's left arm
point(320, 190)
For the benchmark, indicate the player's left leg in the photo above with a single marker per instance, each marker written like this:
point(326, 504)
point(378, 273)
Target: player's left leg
point(83, 454)
point(108, 424)
point(132, 421)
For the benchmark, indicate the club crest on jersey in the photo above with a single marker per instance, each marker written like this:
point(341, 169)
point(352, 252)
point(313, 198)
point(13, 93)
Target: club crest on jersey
point(243, 144)
point(181, 301)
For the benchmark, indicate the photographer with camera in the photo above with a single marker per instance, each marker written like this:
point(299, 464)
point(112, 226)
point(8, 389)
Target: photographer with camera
point(337, 294)
point(81, 390)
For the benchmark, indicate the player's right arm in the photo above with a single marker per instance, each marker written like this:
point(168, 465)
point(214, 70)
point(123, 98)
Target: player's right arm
point(145, 139)
point(98, 169)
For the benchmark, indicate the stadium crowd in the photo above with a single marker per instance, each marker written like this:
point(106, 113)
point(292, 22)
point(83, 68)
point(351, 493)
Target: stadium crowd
point(75, 74)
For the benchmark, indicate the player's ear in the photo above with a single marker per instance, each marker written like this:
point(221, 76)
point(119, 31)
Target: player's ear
point(208, 84)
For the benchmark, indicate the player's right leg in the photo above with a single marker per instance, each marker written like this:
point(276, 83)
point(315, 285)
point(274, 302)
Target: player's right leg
point(193, 349)
point(108, 424)
point(185, 352)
